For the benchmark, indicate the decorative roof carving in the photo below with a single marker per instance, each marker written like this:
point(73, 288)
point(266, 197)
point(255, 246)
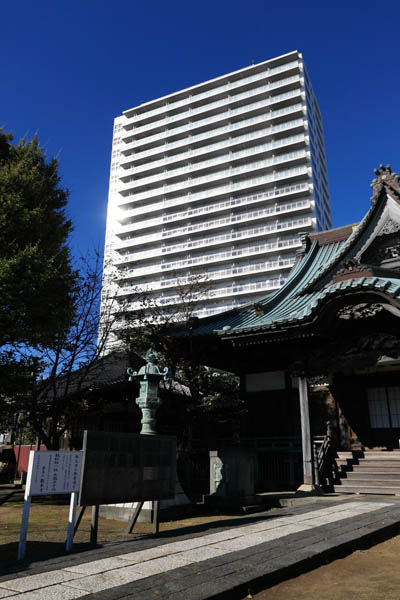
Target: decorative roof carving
point(386, 246)
point(384, 176)
point(305, 243)
point(359, 311)
point(351, 269)
point(390, 227)
point(259, 308)
point(351, 265)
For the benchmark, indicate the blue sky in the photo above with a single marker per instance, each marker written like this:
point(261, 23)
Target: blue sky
point(68, 68)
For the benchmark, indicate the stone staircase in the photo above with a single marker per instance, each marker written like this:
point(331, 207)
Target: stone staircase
point(368, 472)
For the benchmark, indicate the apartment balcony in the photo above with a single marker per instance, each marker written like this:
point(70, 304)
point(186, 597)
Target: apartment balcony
point(129, 272)
point(228, 87)
point(220, 175)
point(228, 144)
point(229, 291)
point(218, 308)
point(296, 189)
point(193, 125)
point(234, 219)
point(135, 157)
point(250, 233)
point(214, 177)
point(218, 240)
point(136, 183)
point(208, 309)
point(204, 108)
point(236, 272)
point(128, 288)
point(223, 190)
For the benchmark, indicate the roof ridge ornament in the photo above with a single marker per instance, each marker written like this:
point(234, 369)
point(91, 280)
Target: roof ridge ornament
point(384, 176)
point(352, 269)
point(305, 240)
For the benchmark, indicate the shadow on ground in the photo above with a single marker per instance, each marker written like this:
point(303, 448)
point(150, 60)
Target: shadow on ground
point(37, 551)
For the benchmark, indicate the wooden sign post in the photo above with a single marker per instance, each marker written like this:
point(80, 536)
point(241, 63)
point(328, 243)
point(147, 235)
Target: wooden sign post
point(51, 472)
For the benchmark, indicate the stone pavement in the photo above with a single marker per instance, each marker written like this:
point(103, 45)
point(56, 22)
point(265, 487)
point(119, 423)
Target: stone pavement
point(219, 560)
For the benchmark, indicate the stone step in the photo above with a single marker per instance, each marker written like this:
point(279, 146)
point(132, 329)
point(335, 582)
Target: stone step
point(371, 464)
point(380, 454)
point(383, 458)
point(370, 488)
point(381, 451)
point(348, 455)
point(342, 463)
point(376, 468)
point(370, 472)
point(376, 459)
point(368, 482)
point(374, 475)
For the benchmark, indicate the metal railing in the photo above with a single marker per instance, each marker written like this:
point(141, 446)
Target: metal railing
point(324, 457)
point(195, 97)
point(204, 108)
point(232, 127)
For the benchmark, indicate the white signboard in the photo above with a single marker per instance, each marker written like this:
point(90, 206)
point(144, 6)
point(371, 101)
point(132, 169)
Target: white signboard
point(52, 472)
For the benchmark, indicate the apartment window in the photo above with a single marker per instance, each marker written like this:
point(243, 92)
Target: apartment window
point(384, 407)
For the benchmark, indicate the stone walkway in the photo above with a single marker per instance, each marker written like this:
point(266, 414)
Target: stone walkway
point(223, 561)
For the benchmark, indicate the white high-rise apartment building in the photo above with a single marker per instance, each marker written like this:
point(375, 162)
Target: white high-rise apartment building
point(219, 178)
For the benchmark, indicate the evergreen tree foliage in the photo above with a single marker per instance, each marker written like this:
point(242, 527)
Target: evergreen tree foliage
point(36, 277)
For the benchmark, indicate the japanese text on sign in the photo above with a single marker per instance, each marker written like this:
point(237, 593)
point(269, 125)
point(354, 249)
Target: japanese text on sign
point(53, 472)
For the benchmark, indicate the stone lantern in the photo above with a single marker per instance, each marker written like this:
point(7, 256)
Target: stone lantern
point(149, 377)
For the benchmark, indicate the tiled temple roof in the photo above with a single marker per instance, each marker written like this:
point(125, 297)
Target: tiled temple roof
point(315, 278)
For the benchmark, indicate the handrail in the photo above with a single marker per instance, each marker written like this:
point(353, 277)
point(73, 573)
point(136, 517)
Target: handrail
point(324, 452)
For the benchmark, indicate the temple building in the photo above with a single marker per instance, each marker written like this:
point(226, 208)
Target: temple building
point(328, 340)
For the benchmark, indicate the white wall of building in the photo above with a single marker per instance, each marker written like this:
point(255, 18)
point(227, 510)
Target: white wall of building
point(217, 179)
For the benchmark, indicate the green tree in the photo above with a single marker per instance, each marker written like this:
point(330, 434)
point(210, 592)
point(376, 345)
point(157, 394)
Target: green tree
point(36, 276)
point(49, 387)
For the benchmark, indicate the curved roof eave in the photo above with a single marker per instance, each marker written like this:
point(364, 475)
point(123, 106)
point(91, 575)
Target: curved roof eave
point(371, 216)
point(385, 287)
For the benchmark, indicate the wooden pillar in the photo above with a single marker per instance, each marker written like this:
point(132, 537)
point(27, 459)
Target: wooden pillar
point(308, 479)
